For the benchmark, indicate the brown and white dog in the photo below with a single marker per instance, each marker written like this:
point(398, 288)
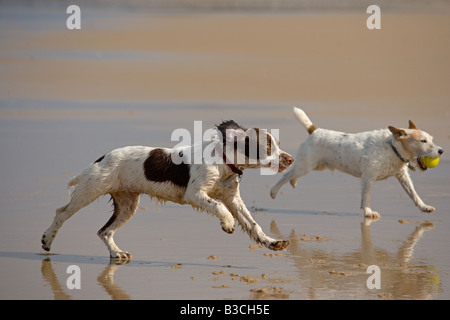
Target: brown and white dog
point(128, 172)
point(372, 156)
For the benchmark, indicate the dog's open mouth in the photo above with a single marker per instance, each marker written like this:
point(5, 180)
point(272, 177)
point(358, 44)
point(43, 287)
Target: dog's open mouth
point(421, 164)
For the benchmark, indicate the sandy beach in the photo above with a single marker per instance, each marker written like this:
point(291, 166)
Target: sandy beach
point(133, 74)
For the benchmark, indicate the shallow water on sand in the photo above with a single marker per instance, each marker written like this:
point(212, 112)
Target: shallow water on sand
point(331, 246)
point(68, 98)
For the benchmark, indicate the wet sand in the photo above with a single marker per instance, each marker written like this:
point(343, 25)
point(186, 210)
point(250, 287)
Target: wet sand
point(131, 78)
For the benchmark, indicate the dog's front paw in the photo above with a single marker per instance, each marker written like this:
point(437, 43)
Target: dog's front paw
point(426, 208)
point(46, 244)
point(228, 226)
point(279, 245)
point(369, 214)
point(121, 255)
point(273, 193)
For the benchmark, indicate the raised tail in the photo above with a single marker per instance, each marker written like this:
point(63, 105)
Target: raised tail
point(72, 183)
point(304, 120)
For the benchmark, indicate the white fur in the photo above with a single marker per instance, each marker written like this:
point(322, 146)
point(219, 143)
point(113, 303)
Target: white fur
point(366, 155)
point(302, 118)
point(213, 188)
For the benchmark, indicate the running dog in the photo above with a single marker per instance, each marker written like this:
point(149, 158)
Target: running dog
point(371, 156)
point(128, 172)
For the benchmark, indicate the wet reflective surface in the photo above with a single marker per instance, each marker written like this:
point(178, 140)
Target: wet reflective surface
point(66, 99)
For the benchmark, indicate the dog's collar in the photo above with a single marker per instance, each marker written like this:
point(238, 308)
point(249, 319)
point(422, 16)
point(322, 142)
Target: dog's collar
point(401, 158)
point(232, 166)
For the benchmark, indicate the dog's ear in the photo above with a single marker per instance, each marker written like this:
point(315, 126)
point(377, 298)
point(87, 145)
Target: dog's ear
point(235, 135)
point(398, 133)
point(231, 131)
point(412, 125)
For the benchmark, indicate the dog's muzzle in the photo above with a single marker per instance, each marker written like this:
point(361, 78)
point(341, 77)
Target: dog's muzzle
point(285, 161)
point(420, 160)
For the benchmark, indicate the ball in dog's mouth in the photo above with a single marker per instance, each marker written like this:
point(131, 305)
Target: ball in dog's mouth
point(421, 164)
point(430, 162)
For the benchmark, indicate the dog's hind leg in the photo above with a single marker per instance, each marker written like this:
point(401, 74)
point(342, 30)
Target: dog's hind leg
point(81, 197)
point(366, 189)
point(125, 205)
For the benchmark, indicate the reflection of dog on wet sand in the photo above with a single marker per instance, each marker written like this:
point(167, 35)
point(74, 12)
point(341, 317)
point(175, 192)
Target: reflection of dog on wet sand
point(371, 156)
point(128, 172)
point(344, 271)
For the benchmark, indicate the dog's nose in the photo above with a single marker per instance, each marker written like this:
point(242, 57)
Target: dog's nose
point(289, 160)
point(441, 151)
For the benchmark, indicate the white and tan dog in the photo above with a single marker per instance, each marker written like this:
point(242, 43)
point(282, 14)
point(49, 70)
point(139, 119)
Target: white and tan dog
point(371, 156)
point(128, 172)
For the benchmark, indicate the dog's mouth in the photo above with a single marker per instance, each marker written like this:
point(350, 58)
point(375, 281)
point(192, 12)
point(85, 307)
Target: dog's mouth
point(285, 162)
point(421, 164)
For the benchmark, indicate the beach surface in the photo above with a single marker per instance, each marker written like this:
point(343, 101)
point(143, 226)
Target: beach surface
point(133, 74)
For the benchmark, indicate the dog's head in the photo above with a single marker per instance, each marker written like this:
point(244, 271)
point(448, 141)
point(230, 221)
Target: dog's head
point(417, 144)
point(252, 148)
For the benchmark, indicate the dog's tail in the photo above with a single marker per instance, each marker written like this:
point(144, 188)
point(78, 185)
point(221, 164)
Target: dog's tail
point(304, 120)
point(72, 183)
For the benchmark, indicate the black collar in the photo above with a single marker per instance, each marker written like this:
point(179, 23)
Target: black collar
point(232, 166)
point(401, 158)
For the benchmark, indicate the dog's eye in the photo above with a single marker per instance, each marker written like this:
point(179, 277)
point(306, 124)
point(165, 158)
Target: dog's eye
point(423, 140)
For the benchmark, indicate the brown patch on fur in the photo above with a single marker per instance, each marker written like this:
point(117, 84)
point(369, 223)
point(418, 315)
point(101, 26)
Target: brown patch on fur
point(158, 167)
point(410, 138)
point(229, 124)
point(398, 133)
point(269, 145)
point(412, 125)
point(405, 138)
point(252, 138)
point(261, 150)
point(287, 160)
point(415, 135)
point(248, 143)
point(311, 129)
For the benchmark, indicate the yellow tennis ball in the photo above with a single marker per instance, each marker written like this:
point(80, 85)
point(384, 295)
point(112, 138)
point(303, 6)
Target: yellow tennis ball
point(430, 162)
